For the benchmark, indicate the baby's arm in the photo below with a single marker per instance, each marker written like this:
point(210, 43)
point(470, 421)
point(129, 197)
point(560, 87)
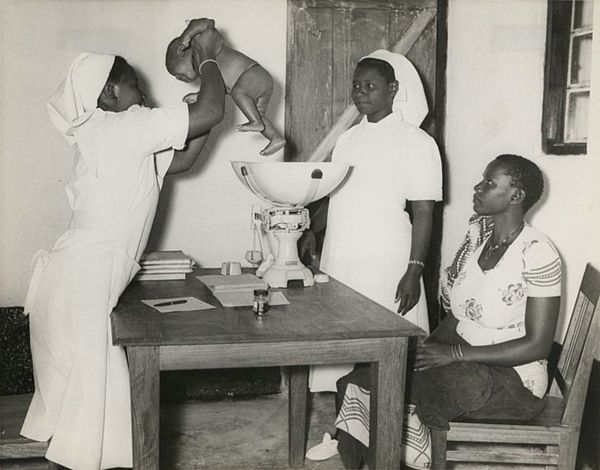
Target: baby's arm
point(194, 27)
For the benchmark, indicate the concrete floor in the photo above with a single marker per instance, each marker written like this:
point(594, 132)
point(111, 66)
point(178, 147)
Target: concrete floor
point(244, 434)
point(231, 434)
point(252, 434)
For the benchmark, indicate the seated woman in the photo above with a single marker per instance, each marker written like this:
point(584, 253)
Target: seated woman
point(487, 359)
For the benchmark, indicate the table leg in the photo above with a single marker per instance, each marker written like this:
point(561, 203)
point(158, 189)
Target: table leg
point(298, 393)
point(145, 405)
point(387, 404)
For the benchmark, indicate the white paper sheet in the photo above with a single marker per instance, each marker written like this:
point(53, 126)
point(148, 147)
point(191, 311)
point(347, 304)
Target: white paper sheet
point(228, 283)
point(191, 303)
point(245, 298)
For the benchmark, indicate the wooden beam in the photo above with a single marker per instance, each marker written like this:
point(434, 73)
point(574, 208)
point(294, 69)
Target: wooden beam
point(403, 45)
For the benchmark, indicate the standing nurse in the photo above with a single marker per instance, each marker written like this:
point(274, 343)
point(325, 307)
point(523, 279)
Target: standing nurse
point(122, 151)
point(370, 243)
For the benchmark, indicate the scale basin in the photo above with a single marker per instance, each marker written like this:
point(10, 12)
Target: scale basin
point(290, 183)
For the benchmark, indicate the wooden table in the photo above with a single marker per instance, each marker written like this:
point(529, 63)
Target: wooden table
point(325, 324)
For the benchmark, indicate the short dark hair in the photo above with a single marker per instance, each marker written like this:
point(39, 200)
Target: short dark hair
point(384, 68)
point(525, 175)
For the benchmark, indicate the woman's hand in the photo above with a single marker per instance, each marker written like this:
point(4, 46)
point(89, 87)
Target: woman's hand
point(194, 27)
point(308, 246)
point(432, 354)
point(206, 46)
point(408, 290)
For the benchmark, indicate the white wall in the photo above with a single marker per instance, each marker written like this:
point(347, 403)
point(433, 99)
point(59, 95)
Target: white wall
point(495, 84)
point(205, 213)
point(494, 105)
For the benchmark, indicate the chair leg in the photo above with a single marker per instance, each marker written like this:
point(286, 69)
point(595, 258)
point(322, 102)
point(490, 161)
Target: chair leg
point(552, 450)
point(439, 446)
point(567, 451)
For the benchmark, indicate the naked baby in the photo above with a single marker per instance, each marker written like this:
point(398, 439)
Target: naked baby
point(247, 82)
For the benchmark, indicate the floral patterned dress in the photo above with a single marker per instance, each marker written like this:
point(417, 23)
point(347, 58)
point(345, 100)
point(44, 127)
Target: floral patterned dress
point(490, 305)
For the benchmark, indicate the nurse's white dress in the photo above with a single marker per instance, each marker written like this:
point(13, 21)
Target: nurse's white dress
point(368, 237)
point(81, 397)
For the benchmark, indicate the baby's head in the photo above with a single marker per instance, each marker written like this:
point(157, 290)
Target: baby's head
point(179, 62)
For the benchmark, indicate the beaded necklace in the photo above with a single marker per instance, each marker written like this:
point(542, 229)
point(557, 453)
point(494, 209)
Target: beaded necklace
point(491, 247)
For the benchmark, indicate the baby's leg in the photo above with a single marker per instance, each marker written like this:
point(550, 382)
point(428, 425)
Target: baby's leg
point(250, 85)
point(256, 84)
point(248, 107)
point(277, 141)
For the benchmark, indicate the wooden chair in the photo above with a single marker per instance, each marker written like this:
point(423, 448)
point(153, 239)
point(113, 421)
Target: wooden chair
point(555, 432)
point(12, 445)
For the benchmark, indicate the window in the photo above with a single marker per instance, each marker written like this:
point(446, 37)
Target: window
point(567, 76)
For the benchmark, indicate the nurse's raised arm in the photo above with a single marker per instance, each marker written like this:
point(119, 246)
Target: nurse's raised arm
point(209, 108)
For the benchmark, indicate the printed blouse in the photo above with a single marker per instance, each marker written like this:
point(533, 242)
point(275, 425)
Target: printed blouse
point(490, 305)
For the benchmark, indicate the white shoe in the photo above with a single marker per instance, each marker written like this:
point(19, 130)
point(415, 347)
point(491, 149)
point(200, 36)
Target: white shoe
point(323, 451)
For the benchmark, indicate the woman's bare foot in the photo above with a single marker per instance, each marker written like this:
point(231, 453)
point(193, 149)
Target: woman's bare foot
point(274, 146)
point(250, 126)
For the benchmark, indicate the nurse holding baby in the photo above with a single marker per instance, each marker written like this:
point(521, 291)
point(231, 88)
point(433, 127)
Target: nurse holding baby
point(123, 149)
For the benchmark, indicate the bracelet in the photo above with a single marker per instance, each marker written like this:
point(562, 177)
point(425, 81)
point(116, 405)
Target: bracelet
point(457, 353)
point(417, 262)
point(204, 62)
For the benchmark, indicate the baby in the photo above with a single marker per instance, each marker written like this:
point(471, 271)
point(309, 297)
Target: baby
point(249, 84)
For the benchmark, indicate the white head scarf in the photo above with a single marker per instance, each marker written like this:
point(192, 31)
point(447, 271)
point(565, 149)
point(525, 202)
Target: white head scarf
point(76, 98)
point(410, 99)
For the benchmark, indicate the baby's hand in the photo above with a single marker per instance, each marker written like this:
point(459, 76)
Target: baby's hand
point(190, 98)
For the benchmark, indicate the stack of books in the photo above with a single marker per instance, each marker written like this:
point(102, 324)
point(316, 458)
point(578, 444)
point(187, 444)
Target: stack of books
point(164, 266)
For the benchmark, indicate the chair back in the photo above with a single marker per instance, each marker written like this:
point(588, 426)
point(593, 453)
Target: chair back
point(575, 363)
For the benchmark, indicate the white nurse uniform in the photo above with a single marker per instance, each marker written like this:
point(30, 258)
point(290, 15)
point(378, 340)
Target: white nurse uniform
point(81, 398)
point(368, 237)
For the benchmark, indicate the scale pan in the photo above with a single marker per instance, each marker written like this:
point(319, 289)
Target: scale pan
point(290, 183)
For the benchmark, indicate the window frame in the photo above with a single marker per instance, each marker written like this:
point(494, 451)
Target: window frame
point(557, 80)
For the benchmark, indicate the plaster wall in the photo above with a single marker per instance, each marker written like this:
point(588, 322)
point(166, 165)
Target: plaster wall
point(494, 105)
point(495, 79)
point(206, 213)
